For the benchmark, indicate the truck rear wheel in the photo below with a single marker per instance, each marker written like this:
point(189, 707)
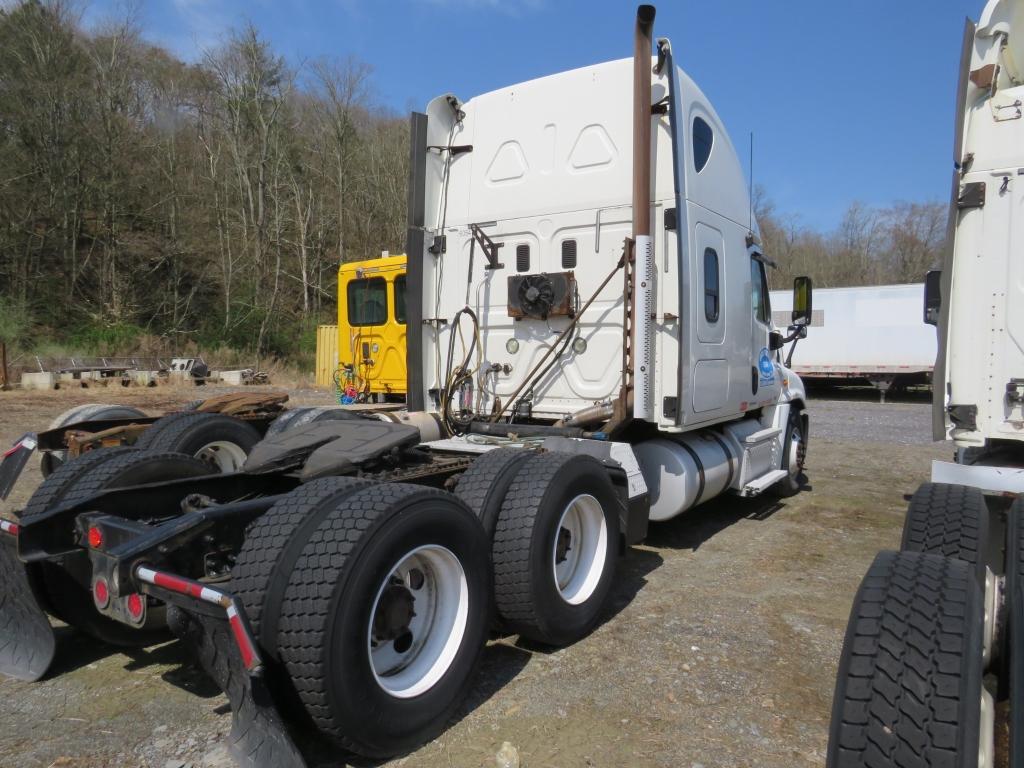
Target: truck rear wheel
point(221, 441)
point(555, 547)
point(273, 543)
point(386, 615)
point(50, 460)
point(483, 486)
point(66, 583)
point(949, 520)
point(909, 690)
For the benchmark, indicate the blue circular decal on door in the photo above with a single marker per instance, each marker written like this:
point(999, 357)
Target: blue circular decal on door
point(765, 367)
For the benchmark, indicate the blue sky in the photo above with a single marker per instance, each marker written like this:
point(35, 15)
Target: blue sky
point(847, 100)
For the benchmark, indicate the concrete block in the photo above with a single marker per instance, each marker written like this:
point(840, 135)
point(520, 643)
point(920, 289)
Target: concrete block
point(38, 381)
point(232, 378)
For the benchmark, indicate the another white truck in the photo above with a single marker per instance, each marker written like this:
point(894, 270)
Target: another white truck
point(590, 348)
point(869, 333)
point(936, 633)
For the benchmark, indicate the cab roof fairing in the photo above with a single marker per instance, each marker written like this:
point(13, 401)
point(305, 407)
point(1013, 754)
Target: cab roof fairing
point(547, 140)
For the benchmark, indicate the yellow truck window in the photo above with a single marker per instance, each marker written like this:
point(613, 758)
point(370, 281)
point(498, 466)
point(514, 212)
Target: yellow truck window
point(368, 301)
point(400, 299)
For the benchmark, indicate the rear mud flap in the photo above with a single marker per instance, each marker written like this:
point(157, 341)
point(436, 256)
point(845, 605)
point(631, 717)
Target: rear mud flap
point(27, 641)
point(259, 738)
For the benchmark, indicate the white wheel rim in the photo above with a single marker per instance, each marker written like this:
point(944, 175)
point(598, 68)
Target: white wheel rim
point(225, 455)
point(580, 549)
point(795, 441)
point(409, 659)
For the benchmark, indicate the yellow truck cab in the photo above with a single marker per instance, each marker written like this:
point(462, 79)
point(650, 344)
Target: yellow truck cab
point(371, 329)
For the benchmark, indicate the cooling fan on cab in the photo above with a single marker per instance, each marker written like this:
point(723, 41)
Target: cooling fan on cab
point(541, 295)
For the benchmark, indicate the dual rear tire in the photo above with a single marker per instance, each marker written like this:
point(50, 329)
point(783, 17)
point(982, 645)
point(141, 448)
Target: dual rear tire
point(373, 603)
point(910, 689)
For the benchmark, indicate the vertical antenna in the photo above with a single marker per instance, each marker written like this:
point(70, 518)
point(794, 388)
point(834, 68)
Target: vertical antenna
point(750, 226)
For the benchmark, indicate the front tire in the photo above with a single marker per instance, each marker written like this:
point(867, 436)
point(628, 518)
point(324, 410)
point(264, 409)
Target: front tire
point(555, 547)
point(794, 456)
point(386, 615)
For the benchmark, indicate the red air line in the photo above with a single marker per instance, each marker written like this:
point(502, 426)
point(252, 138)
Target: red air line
point(235, 614)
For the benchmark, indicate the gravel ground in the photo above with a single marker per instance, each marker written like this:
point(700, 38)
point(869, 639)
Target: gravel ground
point(718, 649)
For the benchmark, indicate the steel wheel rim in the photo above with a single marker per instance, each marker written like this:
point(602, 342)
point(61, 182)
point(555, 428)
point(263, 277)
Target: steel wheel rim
point(796, 452)
point(580, 549)
point(435, 588)
point(223, 454)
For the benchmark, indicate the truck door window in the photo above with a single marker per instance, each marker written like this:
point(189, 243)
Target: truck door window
point(703, 140)
point(759, 292)
point(711, 302)
point(367, 301)
point(400, 299)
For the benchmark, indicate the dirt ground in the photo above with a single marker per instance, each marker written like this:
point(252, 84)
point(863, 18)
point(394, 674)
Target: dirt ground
point(718, 649)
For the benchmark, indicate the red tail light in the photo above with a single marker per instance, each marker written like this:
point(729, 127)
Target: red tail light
point(136, 607)
point(95, 537)
point(101, 592)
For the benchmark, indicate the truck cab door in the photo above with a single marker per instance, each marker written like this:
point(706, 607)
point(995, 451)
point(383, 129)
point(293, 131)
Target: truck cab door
point(764, 380)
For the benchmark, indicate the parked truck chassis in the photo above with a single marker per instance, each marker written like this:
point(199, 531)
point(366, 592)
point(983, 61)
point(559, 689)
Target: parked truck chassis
point(344, 579)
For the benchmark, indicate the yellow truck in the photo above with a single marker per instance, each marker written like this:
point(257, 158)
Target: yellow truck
point(371, 329)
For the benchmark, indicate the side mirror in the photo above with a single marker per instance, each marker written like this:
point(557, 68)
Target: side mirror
point(802, 305)
point(932, 296)
point(776, 341)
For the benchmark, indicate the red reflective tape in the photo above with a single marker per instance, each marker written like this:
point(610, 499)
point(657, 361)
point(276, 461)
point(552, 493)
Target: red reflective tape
point(12, 449)
point(176, 584)
point(242, 639)
point(8, 527)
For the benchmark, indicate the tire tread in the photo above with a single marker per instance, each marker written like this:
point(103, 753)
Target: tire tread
point(909, 680)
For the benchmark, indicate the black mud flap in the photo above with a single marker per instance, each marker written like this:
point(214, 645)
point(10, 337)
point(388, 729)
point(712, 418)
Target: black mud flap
point(12, 462)
point(27, 642)
point(259, 737)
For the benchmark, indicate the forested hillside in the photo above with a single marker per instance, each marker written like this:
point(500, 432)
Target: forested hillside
point(148, 201)
point(207, 202)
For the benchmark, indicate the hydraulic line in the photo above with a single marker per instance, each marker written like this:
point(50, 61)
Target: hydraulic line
point(457, 377)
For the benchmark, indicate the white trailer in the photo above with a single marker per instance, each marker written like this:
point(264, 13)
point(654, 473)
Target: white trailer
point(936, 634)
point(874, 333)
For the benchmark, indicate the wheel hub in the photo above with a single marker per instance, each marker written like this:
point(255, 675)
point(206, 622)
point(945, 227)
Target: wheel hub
point(563, 545)
point(394, 613)
point(417, 621)
point(797, 453)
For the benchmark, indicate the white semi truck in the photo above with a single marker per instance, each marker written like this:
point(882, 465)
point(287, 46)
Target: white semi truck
point(590, 348)
point(936, 634)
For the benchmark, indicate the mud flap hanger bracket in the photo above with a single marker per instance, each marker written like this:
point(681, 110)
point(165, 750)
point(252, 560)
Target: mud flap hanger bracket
point(259, 737)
